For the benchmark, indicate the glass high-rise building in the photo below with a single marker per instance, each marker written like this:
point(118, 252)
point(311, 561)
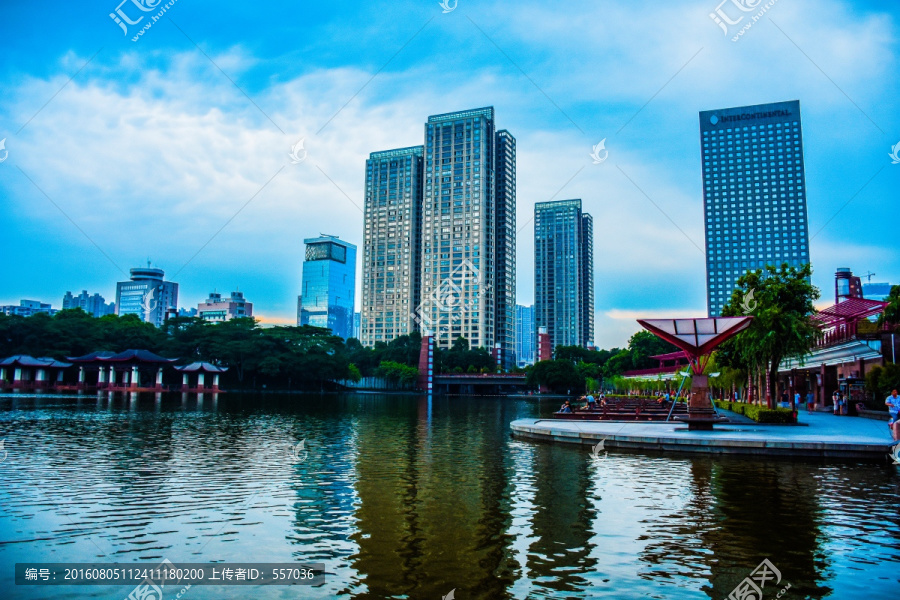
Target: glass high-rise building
point(754, 193)
point(468, 231)
point(526, 335)
point(564, 272)
point(440, 247)
point(147, 295)
point(329, 285)
point(391, 240)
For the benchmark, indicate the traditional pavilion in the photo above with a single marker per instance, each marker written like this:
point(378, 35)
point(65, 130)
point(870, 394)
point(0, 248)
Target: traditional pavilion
point(200, 369)
point(131, 370)
point(22, 372)
point(670, 365)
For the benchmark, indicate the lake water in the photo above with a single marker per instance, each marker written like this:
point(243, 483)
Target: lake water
point(400, 497)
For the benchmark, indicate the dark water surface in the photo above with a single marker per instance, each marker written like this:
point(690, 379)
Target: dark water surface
point(402, 498)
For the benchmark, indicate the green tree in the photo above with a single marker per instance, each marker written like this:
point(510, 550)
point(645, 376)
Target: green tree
point(558, 375)
point(398, 373)
point(643, 345)
point(782, 326)
point(891, 312)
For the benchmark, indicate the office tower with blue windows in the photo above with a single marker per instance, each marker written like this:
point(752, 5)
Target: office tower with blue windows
point(754, 193)
point(564, 272)
point(329, 285)
point(391, 239)
point(468, 232)
point(526, 335)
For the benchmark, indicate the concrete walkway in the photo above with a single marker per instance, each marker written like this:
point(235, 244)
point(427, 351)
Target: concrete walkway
point(819, 435)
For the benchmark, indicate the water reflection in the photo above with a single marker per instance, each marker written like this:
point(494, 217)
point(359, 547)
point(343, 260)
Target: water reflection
point(406, 497)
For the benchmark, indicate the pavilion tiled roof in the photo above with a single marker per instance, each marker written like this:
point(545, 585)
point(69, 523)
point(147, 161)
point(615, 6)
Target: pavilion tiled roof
point(201, 366)
point(24, 360)
point(91, 357)
point(104, 356)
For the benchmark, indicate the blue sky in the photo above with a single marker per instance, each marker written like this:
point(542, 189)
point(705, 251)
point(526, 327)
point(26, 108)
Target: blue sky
point(175, 147)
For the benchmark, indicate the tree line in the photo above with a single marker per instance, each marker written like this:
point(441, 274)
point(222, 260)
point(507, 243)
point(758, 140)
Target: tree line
point(275, 357)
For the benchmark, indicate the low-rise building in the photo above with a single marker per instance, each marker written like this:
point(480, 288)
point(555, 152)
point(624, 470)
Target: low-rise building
point(218, 310)
point(27, 308)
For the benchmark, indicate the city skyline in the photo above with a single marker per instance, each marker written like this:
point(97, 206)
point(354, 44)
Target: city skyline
point(180, 187)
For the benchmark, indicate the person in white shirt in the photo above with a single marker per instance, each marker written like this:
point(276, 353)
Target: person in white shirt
point(893, 404)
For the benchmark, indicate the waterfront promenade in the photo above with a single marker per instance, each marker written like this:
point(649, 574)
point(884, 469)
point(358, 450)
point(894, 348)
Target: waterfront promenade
point(818, 435)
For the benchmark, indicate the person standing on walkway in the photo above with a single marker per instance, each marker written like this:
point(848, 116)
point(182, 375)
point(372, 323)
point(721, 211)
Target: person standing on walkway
point(836, 399)
point(893, 404)
point(797, 401)
point(810, 402)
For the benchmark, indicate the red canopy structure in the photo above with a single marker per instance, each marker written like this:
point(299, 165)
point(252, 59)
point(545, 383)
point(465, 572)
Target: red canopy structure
point(698, 338)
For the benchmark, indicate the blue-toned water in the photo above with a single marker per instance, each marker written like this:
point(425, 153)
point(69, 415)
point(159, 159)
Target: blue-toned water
point(402, 498)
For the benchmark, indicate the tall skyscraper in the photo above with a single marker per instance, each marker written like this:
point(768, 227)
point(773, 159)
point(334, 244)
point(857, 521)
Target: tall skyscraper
point(505, 240)
point(91, 304)
point(468, 231)
point(391, 240)
point(754, 193)
point(526, 335)
point(564, 272)
point(147, 295)
point(440, 249)
point(329, 285)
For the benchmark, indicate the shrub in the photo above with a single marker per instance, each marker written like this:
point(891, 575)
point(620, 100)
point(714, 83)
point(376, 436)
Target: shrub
point(760, 414)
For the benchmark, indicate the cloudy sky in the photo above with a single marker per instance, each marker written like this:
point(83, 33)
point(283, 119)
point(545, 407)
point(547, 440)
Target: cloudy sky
point(175, 147)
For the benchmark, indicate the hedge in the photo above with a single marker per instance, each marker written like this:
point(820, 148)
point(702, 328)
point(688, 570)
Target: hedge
point(760, 414)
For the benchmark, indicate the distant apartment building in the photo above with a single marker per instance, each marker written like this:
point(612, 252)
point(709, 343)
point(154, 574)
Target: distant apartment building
point(564, 272)
point(754, 193)
point(187, 312)
point(218, 310)
point(94, 305)
point(27, 308)
point(526, 335)
point(147, 295)
point(391, 240)
point(329, 285)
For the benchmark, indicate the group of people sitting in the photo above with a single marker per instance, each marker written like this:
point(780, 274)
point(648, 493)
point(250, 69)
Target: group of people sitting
point(590, 403)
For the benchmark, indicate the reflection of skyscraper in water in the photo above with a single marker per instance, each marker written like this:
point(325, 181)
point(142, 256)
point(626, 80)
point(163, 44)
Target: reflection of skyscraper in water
point(329, 285)
point(432, 503)
point(561, 527)
point(726, 527)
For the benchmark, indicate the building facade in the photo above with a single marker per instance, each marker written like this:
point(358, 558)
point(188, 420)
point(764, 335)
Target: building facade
point(27, 308)
point(526, 335)
point(754, 193)
point(468, 232)
point(391, 241)
point(329, 285)
point(218, 310)
point(147, 295)
point(564, 272)
point(91, 304)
